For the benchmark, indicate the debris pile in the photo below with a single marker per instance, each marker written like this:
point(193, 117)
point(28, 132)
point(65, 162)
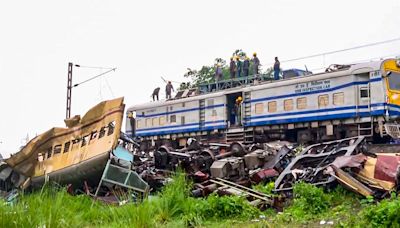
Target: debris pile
point(231, 169)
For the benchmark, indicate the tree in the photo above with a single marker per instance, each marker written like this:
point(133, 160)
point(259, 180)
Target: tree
point(206, 74)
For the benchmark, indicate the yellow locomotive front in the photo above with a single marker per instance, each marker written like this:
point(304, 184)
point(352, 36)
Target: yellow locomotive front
point(391, 72)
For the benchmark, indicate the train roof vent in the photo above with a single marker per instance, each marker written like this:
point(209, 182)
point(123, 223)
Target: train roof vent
point(185, 93)
point(337, 67)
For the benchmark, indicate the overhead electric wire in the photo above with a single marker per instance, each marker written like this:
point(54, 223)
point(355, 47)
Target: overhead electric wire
point(340, 50)
point(94, 67)
point(113, 69)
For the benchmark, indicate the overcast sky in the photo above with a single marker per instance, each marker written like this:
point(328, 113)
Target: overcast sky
point(149, 39)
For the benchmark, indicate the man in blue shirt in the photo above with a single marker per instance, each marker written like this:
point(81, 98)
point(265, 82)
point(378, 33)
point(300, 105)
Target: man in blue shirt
point(277, 68)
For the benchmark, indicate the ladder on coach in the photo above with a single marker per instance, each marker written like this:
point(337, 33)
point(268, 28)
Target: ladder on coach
point(366, 129)
point(248, 131)
point(202, 113)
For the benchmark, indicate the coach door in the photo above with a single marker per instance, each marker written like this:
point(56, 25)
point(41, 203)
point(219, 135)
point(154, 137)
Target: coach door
point(234, 109)
point(364, 100)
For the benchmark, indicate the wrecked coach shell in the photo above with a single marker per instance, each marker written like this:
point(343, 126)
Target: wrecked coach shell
point(74, 154)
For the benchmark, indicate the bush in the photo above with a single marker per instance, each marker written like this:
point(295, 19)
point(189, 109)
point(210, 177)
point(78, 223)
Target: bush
point(383, 214)
point(226, 207)
point(310, 198)
point(265, 188)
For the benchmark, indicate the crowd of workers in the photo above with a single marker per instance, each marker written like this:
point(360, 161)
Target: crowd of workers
point(237, 68)
point(168, 91)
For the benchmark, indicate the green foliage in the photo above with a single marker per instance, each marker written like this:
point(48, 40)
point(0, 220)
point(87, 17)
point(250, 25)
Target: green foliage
point(171, 201)
point(383, 214)
point(172, 207)
point(265, 188)
point(367, 200)
point(225, 207)
point(310, 198)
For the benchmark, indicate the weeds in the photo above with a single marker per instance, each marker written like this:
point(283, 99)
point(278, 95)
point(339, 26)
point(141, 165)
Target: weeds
point(383, 214)
point(173, 207)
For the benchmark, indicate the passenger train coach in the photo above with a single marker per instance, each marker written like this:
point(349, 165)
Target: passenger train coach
point(357, 99)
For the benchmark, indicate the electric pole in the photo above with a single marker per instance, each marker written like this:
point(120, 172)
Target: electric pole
point(69, 91)
point(70, 86)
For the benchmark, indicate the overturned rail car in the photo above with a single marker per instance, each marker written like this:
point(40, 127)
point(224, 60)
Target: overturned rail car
point(70, 155)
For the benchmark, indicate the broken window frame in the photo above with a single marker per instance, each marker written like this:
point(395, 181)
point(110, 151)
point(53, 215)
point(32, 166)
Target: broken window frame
point(67, 146)
point(111, 128)
point(102, 132)
point(57, 149)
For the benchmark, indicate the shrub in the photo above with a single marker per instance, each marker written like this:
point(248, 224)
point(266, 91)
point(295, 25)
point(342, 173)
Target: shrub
point(383, 214)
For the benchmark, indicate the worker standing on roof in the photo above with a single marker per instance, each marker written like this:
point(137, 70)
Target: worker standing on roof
point(232, 68)
point(256, 64)
point(277, 68)
point(218, 72)
point(156, 91)
point(238, 66)
point(168, 89)
point(246, 66)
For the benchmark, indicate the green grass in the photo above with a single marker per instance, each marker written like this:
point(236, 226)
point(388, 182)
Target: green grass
point(173, 207)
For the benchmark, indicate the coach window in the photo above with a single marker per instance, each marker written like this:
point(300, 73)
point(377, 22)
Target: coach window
point(66, 147)
point(139, 124)
point(148, 122)
point(172, 119)
point(75, 142)
point(259, 108)
point(49, 150)
point(57, 149)
point(394, 80)
point(183, 104)
point(302, 103)
point(111, 127)
point(162, 120)
point(85, 140)
point(214, 113)
point(155, 121)
point(272, 106)
point(323, 100)
point(93, 135)
point(288, 105)
point(182, 120)
point(338, 98)
point(364, 93)
point(102, 132)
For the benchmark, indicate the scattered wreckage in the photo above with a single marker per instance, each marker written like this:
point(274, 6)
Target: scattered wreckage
point(356, 165)
point(93, 156)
